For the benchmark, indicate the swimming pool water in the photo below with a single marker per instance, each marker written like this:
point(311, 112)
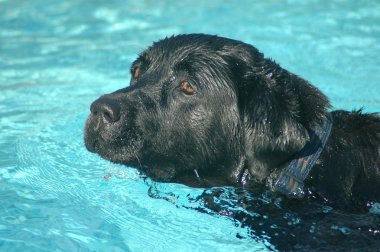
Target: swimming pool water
point(56, 57)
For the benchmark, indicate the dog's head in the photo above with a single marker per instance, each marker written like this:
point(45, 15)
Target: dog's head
point(195, 106)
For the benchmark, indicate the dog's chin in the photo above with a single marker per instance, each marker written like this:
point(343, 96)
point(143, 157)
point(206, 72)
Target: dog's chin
point(129, 154)
point(164, 174)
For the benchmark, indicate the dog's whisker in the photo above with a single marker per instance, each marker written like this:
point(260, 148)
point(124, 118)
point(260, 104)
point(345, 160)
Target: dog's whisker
point(196, 174)
point(138, 160)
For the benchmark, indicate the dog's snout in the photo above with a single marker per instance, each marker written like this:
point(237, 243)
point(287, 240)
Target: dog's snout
point(106, 108)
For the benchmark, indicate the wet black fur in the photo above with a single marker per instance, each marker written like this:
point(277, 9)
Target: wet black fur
point(248, 113)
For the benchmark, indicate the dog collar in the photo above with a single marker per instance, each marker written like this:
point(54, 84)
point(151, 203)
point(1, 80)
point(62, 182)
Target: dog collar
point(290, 181)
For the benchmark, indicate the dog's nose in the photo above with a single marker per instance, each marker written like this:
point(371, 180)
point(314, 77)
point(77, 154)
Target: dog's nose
point(107, 108)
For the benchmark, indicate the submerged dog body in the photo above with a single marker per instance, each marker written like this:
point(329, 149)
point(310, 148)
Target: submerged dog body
point(208, 111)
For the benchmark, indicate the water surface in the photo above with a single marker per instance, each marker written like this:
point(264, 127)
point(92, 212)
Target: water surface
point(56, 57)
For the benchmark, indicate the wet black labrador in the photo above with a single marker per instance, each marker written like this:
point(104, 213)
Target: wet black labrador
point(208, 111)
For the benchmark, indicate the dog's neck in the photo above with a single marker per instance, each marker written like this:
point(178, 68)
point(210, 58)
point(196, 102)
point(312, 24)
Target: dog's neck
point(291, 180)
point(276, 117)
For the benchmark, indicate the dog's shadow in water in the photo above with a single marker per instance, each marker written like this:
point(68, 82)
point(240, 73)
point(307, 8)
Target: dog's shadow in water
point(285, 224)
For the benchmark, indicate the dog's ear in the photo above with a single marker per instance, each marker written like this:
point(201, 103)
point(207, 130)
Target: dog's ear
point(276, 107)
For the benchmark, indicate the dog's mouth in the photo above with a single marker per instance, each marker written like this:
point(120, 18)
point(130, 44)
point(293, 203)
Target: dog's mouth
point(127, 153)
point(91, 144)
point(126, 144)
point(120, 150)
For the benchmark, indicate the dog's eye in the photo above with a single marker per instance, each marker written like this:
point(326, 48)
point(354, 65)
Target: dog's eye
point(136, 72)
point(187, 88)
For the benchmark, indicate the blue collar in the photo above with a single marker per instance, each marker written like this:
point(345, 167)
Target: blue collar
point(290, 181)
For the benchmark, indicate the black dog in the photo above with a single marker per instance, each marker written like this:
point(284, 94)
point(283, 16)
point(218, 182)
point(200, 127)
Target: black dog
point(209, 111)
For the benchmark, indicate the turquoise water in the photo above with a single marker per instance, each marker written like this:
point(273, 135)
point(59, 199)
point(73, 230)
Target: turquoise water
point(56, 57)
